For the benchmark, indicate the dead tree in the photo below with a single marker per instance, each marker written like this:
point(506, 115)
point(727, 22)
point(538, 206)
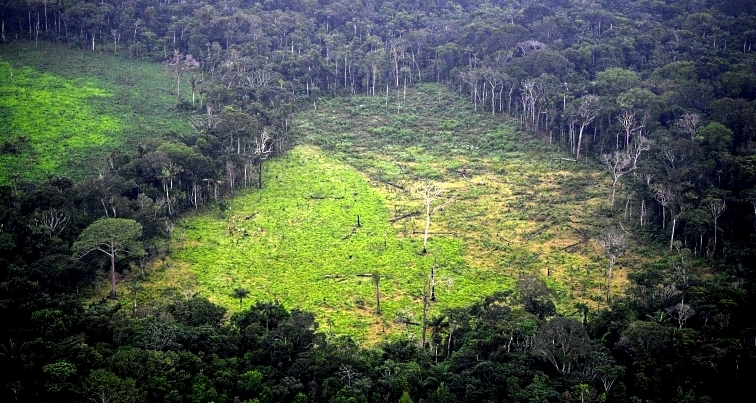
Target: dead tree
point(588, 109)
point(177, 65)
point(618, 164)
point(428, 297)
point(376, 277)
point(631, 125)
point(264, 147)
point(715, 207)
point(614, 243)
point(431, 193)
point(689, 123)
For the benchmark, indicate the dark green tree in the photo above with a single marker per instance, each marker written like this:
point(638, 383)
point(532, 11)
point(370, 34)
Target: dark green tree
point(111, 236)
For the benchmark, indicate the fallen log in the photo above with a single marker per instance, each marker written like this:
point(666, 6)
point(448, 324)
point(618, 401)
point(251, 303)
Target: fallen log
point(414, 213)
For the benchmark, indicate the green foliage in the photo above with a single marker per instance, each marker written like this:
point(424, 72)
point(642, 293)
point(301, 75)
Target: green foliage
point(110, 236)
point(405, 398)
point(297, 241)
point(63, 111)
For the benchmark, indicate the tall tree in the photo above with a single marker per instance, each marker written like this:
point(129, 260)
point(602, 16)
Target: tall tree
point(431, 193)
point(587, 110)
point(618, 164)
point(614, 244)
point(715, 207)
point(111, 236)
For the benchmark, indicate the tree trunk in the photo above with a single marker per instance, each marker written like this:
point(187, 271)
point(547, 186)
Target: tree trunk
point(672, 237)
point(580, 140)
point(112, 273)
point(259, 174)
point(609, 279)
point(427, 226)
point(426, 302)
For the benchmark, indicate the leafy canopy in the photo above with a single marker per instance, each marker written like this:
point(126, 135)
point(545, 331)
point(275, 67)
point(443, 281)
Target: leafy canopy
point(110, 235)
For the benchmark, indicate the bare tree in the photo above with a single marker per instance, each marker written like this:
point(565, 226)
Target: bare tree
point(588, 109)
point(689, 123)
point(264, 147)
point(179, 63)
point(665, 196)
point(562, 342)
point(53, 221)
point(618, 164)
point(376, 277)
point(348, 374)
point(427, 295)
point(431, 193)
point(614, 244)
point(715, 207)
point(682, 312)
point(631, 125)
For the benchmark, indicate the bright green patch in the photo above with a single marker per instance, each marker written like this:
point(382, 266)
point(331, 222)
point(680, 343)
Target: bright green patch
point(47, 120)
point(516, 209)
point(63, 110)
point(297, 241)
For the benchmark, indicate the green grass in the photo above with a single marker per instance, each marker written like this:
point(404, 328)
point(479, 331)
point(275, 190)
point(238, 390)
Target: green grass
point(516, 210)
point(297, 241)
point(63, 110)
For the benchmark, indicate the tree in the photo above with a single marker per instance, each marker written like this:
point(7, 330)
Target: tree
point(405, 398)
point(618, 164)
point(562, 341)
point(535, 296)
point(431, 193)
point(179, 63)
point(103, 386)
point(588, 109)
point(264, 146)
point(111, 236)
point(241, 293)
point(715, 207)
point(614, 243)
point(376, 277)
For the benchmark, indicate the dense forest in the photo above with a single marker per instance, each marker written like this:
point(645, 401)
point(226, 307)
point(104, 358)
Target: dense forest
point(661, 95)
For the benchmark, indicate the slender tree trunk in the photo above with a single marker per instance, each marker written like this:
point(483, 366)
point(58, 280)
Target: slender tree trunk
point(112, 273)
point(377, 282)
point(449, 340)
point(259, 174)
point(580, 140)
point(426, 302)
point(612, 259)
point(427, 226)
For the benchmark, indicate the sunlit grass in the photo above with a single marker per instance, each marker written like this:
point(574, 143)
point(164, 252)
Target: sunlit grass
point(63, 110)
point(516, 209)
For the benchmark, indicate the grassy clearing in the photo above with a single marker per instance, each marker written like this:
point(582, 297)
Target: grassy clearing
point(515, 210)
point(297, 241)
point(63, 109)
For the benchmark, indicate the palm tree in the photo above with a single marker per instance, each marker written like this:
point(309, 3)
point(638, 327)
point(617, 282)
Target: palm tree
point(241, 293)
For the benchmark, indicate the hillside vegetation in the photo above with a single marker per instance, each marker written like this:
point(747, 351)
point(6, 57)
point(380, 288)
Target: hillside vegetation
point(62, 111)
point(559, 145)
point(511, 207)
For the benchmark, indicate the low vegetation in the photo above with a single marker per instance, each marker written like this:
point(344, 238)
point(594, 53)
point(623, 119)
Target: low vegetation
point(62, 110)
point(348, 201)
